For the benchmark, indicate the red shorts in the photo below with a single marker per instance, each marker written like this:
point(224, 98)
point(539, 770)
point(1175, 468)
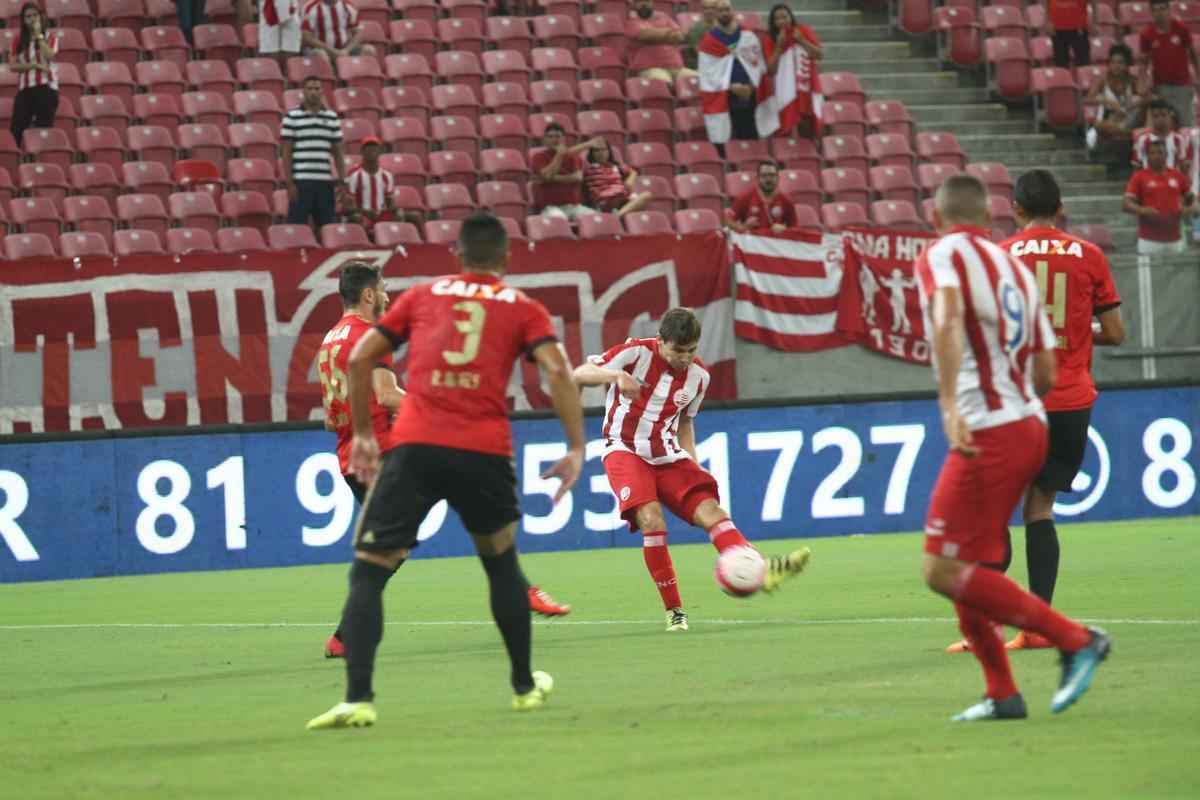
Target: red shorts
point(975, 497)
point(681, 486)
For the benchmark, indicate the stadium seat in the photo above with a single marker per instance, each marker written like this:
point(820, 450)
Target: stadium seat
point(153, 143)
point(836, 216)
point(502, 164)
point(81, 244)
point(244, 209)
point(148, 177)
point(100, 145)
point(653, 126)
point(689, 124)
point(503, 198)
point(360, 72)
point(377, 12)
point(205, 143)
point(77, 14)
point(256, 106)
point(559, 31)
point(36, 215)
point(647, 223)
point(158, 110)
point(699, 191)
point(452, 66)
point(931, 176)
point(254, 140)
point(542, 228)
point(358, 104)
point(240, 240)
point(353, 133)
point(896, 214)
point(251, 175)
point(800, 187)
point(843, 119)
point(442, 231)
point(344, 236)
point(995, 177)
point(602, 95)
point(90, 214)
point(602, 63)
point(554, 64)
point(1003, 21)
point(507, 66)
point(661, 191)
point(8, 190)
point(413, 36)
point(409, 70)
point(464, 35)
point(554, 97)
point(602, 123)
point(453, 166)
point(182, 241)
point(475, 10)
point(65, 117)
point(403, 101)
point(510, 33)
point(290, 237)
point(696, 220)
point(280, 204)
point(48, 181)
point(845, 152)
point(1056, 100)
point(599, 226)
point(218, 43)
point(166, 43)
point(747, 155)
point(408, 198)
point(504, 130)
point(795, 153)
point(425, 10)
point(194, 210)
point(406, 135)
point(449, 200)
point(506, 98)
point(894, 183)
point(940, 148)
point(651, 158)
point(95, 179)
point(390, 234)
point(301, 68)
point(846, 185)
point(1098, 235)
point(116, 46)
point(105, 111)
point(139, 242)
point(165, 78)
point(738, 183)
point(891, 117)
point(700, 158)
point(1003, 217)
point(889, 150)
point(122, 13)
point(49, 146)
point(808, 218)
point(1008, 66)
point(207, 108)
point(408, 169)
point(843, 87)
point(261, 75)
point(1134, 16)
point(957, 35)
point(650, 95)
point(29, 245)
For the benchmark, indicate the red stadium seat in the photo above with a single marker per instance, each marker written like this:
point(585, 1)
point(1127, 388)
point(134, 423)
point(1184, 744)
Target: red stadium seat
point(896, 214)
point(957, 35)
point(557, 31)
point(890, 116)
point(602, 95)
point(358, 104)
point(507, 66)
point(251, 175)
point(408, 169)
point(475, 10)
point(405, 135)
point(90, 214)
point(290, 237)
point(650, 95)
point(442, 231)
point(995, 177)
point(122, 13)
point(845, 152)
point(165, 78)
point(696, 220)
point(738, 183)
point(377, 12)
point(49, 146)
point(194, 210)
point(99, 145)
point(82, 244)
point(510, 33)
point(390, 234)
point(661, 191)
point(543, 228)
point(455, 167)
point(143, 212)
point(157, 109)
point(846, 185)
point(605, 30)
point(889, 150)
point(95, 179)
point(253, 140)
point(555, 64)
point(795, 153)
point(182, 241)
point(652, 126)
point(219, 43)
point(413, 36)
point(37, 215)
point(139, 242)
point(465, 35)
point(931, 176)
point(501, 164)
point(148, 177)
point(599, 226)
point(452, 66)
point(1097, 234)
point(843, 87)
point(699, 191)
point(941, 148)
point(105, 111)
point(554, 97)
point(1134, 16)
point(1056, 99)
point(836, 216)
point(503, 198)
point(689, 124)
point(205, 143)
point(603, 123)
point(506, 98)
point(77, 14)
point(687, 90)
point(48, 181)
point(256, 106)
point(361, 72)
point(800, 187)
point(808, 218)
point(1003, 217)
point(700, 158)
point(894, 183)
point(602, 63)
point(354, 131)
point(426, 10)
point(301, 68)
point(1008, 65)
point(29, 245)
point(261, 75)
point(152, 143)
point(116, 46)
point(449, 200)
point(843, 119)
point(457, 101)
point(344, 236)
point(651, 158)
point(207, 108)
point(648, 223)
point(504, 130)
point(747, 155)
point(245, 209)
point(1003, 21)
point(403, 101)
point(166, 43)
point(240, 240)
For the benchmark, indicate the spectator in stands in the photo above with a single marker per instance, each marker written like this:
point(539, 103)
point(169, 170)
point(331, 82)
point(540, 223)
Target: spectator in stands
point(190, 14)
point(609, 183)
point(331, 30)
point(1119, 103)
point(312, 151)
point(1067, 26)
point(32, 58)
point(1161, 117)
point(370, 191)
point(1165, 47)
point(726, 40)
point(654, 43)
point(279, 27)
point(558, 175)
point(764, 207)
point(783, 33)
point(708, 19)
point(1159, 197)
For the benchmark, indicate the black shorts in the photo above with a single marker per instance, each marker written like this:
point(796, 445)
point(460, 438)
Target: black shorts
point(413, 478)
point(1068, 443)
point(358, 487)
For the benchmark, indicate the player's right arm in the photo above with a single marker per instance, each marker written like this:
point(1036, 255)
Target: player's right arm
point(589, 374)
point(364, 450)
point(564, 396)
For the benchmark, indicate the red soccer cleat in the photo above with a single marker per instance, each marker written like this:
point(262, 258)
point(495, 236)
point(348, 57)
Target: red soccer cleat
point(334, 648)
point(544, 604)
point(961, 646)
point(1029, 641)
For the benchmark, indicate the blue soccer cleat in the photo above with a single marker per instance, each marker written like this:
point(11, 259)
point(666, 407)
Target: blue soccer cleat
point(1078, 668)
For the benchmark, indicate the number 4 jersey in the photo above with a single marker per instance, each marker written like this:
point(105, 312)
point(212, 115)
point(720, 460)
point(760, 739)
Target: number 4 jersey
point(1076, 284)
point(333, 359)
point(465, 333)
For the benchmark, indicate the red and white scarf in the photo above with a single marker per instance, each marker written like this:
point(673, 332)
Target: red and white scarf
point(716, 68)
point(793, 94)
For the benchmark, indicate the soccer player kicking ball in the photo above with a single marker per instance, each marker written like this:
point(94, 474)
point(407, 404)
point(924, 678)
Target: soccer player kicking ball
point(451, 441)
point(364, 299)
point(1076, 285)
point(655, 389)
point(993, 354)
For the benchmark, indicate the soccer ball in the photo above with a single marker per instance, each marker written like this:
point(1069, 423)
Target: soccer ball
point(740, 571)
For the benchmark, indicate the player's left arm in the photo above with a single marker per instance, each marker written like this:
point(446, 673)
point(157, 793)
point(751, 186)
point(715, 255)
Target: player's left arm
point(948, 335)
point(387, 391)
point(687, 436)
point(372, 348)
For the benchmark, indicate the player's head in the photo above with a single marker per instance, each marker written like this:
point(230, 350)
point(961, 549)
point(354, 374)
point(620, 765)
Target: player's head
point(483, 244)
point(679, 337)
point(961, 200)
point(1120, 58)
point(1156, 154)
point(361, 286)
point(768, 176)
point(1160, 11)
point(553, 135)
point(1036, 196)
point(312, 92)
point(1161, 115)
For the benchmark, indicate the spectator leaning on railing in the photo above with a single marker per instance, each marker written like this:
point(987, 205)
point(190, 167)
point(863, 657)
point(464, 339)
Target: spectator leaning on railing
point(1160, 197)
point(33, 53)
point(312, 151)
point(1166, 48)
point(654, 43)
point(331, 30)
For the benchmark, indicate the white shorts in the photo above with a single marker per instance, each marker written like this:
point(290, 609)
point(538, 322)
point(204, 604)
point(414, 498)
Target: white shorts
point(283, 37)
point(1145, 247)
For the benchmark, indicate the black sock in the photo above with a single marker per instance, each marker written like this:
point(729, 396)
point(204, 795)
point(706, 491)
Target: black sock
point(510, 609)
point(1041, 557)
point(362, 626)
point(337, 634)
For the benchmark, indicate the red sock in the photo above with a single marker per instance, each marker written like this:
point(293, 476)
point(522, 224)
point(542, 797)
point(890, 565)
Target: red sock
point(662, 571)
point(998, 598)
point(725, 535)
point(987, 643)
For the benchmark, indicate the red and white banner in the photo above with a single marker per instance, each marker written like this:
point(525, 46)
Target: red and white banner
point(715, 65)
point(791, 95)
point(204, 339)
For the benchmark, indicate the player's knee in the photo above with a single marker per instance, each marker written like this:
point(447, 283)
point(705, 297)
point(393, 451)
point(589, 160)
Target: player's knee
point(709, 513)
point(650, 517)
point(939, 574)
point(490, 545)
point(384, 558)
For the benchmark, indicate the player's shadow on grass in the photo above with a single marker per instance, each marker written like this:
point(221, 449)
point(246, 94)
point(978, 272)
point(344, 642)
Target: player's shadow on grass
point(177, 748)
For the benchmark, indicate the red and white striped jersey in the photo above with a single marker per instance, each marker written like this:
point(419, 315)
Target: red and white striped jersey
point(273, 12)
point(37, 77)
point(332, 23)
point(371, 190)
point(1179, 148)
point(648, 426)
point(1005, 320)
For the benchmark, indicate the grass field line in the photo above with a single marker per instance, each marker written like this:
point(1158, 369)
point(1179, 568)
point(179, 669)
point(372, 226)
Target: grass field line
point(556, 622)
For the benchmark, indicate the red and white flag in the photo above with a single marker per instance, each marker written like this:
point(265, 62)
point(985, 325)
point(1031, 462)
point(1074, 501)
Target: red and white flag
point(716, 69)
point(791, 95)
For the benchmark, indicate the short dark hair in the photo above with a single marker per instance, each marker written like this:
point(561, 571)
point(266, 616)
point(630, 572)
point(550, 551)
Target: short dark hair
point(354, 278)
point(1154, 3)
point(1155, 141)
point(768, 163)
point(1037, 193)
point(679, 326)
point(482, 240)
point(554, 126)
point(308, 78)
point(1158, 103)
point(1121, 50)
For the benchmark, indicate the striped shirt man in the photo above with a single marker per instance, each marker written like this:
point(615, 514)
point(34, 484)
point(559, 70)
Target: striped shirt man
point(331, 22)
point(1179, 149)
point(313, 136)
point(33, 55)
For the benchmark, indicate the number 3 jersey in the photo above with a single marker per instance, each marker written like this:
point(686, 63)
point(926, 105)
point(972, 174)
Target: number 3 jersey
point(465, 333)
point(1004, 323)
point(333, 361)
point(1076, 284)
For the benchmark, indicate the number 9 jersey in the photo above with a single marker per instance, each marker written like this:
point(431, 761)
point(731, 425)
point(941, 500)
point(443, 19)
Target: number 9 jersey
point(465, 333)
point(1075, 284)
point(333, 358)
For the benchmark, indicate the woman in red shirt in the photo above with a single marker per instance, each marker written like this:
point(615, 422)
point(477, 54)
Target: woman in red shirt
point(783, 32)
point(33, 54)
point(609, 183)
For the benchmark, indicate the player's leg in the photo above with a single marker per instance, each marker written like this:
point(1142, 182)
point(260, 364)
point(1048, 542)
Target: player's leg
point(335, 646)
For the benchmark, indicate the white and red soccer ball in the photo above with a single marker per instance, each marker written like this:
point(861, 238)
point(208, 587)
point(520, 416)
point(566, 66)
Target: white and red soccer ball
point(740, 571)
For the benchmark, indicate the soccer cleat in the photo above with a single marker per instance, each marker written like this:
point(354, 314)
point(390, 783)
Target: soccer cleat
point(334, 647)
point(345, 715)
point(1009, 708)
point(676, 620)
point(543, 685)
point(1029, 641)
point(780, 568)
point(1079, 668)
point(547, 606)
point(961, 646)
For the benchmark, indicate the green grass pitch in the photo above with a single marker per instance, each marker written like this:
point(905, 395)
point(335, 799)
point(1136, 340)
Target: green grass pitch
point(835, 688)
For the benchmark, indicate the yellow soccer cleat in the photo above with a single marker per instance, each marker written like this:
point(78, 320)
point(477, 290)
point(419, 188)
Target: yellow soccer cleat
point(677, 620)
point(543, 685)
point(345, 715)
point(780, 568)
